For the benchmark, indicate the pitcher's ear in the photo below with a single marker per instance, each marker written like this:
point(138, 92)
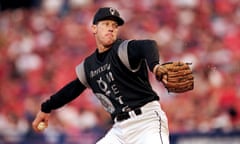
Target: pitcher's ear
point(94, 29)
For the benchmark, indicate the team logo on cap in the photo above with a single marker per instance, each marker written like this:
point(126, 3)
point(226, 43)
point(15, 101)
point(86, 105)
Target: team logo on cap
point(112, 11)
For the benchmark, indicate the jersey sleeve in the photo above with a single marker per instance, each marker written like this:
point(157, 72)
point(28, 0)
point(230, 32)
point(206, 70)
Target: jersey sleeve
point(133, 52)
point(65, 95)
point(80, 71)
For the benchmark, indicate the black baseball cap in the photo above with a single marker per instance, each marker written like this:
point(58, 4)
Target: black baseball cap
point(108, 13)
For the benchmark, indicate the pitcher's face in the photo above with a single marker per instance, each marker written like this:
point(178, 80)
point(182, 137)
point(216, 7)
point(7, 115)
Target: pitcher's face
point(106, 32)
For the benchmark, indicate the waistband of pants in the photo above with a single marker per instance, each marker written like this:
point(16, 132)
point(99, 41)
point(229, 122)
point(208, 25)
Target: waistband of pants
point(136, 112)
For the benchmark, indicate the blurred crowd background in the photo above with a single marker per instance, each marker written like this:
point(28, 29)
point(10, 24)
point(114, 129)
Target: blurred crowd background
point(41, 42)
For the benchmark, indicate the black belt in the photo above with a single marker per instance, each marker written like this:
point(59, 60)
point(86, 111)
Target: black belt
point(125, 115)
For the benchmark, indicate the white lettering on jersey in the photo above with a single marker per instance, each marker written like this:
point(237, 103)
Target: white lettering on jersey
point(99, 70)
point(108, 89)
point(103, 86)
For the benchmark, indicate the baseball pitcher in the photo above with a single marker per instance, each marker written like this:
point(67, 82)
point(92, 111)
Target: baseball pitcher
point(117, 73)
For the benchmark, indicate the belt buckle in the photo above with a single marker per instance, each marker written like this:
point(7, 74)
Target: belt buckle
point(127, 115)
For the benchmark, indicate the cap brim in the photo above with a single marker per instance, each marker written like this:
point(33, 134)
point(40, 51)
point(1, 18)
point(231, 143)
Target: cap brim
point(119, 20)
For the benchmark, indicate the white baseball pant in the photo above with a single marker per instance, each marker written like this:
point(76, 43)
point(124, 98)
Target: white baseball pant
point(150, 127)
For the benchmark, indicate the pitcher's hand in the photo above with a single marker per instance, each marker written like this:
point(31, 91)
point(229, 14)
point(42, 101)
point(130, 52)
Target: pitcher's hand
point(40, 117)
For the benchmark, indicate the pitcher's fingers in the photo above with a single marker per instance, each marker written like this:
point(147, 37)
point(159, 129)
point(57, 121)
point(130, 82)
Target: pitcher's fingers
point(35, 124)
point(164, 79)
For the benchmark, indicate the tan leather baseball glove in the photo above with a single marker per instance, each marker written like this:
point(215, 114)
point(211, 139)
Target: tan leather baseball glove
point(177, 77)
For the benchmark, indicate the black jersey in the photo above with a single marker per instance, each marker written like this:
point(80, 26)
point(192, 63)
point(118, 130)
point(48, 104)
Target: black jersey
point(119, 77)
